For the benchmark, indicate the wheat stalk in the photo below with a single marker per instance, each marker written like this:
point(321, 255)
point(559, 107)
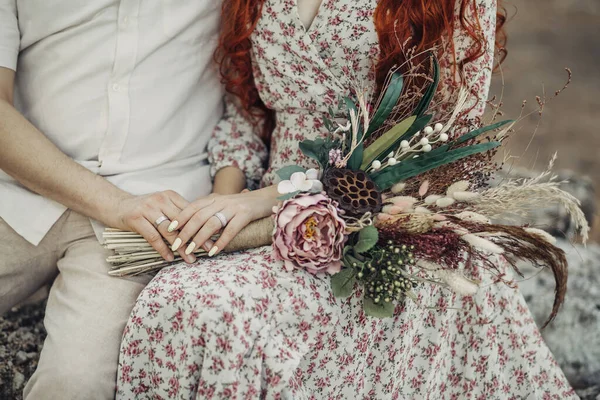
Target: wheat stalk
point(519, 196)
point(133, 255)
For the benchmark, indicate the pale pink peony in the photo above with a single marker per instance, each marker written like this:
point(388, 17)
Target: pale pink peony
point(309, 234)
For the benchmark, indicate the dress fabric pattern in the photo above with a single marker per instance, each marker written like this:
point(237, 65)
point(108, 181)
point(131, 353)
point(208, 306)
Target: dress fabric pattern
point(239, 326)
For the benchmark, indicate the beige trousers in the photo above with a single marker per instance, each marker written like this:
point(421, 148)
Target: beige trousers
point(86, 312)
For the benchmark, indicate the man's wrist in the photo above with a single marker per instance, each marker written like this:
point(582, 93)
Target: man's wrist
point(109, 208)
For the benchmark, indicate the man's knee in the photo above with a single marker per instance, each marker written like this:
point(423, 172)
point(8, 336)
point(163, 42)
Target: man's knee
point(71, 379)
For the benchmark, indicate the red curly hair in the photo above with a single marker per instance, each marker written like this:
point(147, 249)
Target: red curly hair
point(429, 21)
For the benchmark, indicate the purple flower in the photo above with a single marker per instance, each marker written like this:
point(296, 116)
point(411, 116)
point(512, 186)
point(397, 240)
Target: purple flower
point(309, 234)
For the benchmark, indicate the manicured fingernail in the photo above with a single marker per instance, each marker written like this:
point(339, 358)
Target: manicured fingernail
point(172, 226)
point(213, 251)
point(190, 248)
point(208, 245)
point(176, 244)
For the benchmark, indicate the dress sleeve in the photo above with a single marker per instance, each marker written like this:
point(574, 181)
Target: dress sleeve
point(10, 38)
point(235, 143)
point(477, 74)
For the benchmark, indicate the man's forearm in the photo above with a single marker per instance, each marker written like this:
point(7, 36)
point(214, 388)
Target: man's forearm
point(29, 157)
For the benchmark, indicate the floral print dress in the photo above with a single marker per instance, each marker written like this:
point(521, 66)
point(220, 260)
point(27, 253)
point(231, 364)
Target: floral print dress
point(240, 326)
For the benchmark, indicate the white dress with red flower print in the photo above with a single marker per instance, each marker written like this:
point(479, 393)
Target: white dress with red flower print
point(240, 326)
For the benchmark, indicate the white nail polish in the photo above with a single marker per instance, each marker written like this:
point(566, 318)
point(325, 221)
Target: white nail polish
point(190, 248)
point(176, 244)
point(172, 226)
point(213, 251)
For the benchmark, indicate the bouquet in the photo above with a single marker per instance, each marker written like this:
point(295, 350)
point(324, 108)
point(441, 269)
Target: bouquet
point(401, 200)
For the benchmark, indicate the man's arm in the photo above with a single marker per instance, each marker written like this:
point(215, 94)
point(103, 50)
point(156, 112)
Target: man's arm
point(30, 158)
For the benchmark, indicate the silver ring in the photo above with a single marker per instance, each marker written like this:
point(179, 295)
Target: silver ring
point(222, 218)
point(160, 220)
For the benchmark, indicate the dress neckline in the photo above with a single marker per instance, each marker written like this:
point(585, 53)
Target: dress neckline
point(315, 21)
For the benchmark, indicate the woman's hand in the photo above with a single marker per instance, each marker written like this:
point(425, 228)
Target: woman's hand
point(198, 223)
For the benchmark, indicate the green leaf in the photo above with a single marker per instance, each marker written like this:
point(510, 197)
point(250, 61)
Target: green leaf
point(418, 125)
point(342, 283)
point(388, 102)
point(378, 310)
point(408, 169)
point(350, 105)
point(356, 158)
point(357, 155)
point(367, 239)
point(331, 112)
point(316, 149)
point(428, 96)
point(385, 141)
point(288, 196)
point(310, 148)
point(477, 132)
point(286, 172)
point(328, 124)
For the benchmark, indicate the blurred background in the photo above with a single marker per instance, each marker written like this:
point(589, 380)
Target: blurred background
point(545, 36)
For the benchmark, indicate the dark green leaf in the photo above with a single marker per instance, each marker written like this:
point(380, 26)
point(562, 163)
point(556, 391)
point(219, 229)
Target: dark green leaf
point(357, 155)
point(386, 140)
point(367, 238)
point(288, 196)
point(378, 310)
point(388, 102)
point(407, 169)
point(317, 149)
point(286, 172)
point(310, 148)
point(350, 105)
point(331, 112)
point(428, 96)
point(342, 283)
point(328, 124)
point(351, 261)
point(356, 158)
point(482, 130)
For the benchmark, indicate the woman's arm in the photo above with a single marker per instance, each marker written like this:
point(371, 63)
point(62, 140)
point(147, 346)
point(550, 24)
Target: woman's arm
point(476, 74)
point(237, 156)
point(236, 153)
point(229, 180)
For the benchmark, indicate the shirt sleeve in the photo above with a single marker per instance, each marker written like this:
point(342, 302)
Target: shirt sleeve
point(235, 143)
point(10, 37)
point(477, 74)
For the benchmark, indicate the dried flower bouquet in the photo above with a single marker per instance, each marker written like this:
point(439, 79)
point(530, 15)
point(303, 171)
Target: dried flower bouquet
point(398, 200)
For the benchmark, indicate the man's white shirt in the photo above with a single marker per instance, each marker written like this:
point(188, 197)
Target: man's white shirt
point(126, 88)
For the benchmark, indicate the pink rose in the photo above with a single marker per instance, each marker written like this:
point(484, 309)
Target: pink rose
point(309, 234)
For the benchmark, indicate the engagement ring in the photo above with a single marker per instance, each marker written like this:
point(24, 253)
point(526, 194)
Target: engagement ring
point(160, 220)
point(222, 218)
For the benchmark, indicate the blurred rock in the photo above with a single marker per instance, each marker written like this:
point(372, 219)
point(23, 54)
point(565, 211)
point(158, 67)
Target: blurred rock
point(574, 336)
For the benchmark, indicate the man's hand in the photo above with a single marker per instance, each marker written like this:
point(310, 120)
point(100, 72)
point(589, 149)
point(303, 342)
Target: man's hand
point(139, 214)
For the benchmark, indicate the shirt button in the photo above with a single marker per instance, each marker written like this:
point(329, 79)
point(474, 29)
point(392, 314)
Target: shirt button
point(116, 87)
point(124, 22)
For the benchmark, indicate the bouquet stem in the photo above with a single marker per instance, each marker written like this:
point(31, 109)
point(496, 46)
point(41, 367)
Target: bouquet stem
point(133, 255)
